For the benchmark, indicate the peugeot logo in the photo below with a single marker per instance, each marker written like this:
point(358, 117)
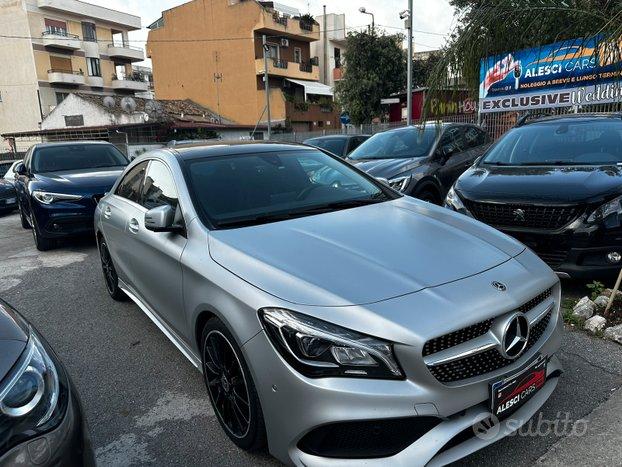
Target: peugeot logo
point(500, 286)
point(515, 336)
point(519, 215)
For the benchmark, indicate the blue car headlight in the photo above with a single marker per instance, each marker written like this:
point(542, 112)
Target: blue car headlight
point(46, 197)
point(453, 201)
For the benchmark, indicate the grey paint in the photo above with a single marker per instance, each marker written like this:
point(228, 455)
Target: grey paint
point(388, 297)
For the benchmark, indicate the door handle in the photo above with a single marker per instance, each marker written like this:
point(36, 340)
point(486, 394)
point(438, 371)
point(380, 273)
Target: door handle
point(107, 212)
point(133, 226)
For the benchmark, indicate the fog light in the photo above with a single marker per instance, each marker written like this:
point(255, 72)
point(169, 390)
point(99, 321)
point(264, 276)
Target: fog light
point(614, 257)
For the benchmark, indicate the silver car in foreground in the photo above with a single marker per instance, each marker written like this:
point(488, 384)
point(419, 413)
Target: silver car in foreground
point(336, 323)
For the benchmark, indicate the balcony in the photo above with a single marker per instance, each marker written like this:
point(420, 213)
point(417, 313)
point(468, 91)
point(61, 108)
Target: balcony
point(68, 77)
point(274, 23)
point(129, 85)
point(61, 40)
point(126, 53)
point(310, 112)
point(287, 69)
point(95, 81)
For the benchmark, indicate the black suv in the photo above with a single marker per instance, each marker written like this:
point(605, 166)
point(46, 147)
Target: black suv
point(554, 183)
point(424, 161)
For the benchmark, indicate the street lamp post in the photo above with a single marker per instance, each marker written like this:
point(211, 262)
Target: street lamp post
point(407, 15)
point(373, 21)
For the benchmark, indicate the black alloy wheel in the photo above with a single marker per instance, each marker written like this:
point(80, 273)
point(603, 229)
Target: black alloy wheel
point(230, 387)
point(42, 243)
point(110, 274)
point(22, 217)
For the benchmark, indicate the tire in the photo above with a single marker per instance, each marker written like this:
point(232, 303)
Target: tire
point(428, 195)
point(23, 218)
point(42, 243)
point(110, 273)
point(229, 384)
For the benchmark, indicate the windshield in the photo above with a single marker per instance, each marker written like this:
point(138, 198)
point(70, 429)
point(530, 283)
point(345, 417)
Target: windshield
point(560, 143)
point(76, 157)
point(335, 146)
point(398, 144)
point(249, 189)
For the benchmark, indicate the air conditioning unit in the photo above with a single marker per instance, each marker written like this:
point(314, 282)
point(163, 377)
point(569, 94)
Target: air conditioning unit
point(284, 42)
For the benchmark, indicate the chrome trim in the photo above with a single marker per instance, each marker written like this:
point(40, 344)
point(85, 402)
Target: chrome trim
point(562, 275)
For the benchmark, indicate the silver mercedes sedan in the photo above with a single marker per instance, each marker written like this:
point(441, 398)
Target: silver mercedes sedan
point(335, 323)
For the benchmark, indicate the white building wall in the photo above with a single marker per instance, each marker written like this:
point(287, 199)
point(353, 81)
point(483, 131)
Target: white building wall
point(335, 38)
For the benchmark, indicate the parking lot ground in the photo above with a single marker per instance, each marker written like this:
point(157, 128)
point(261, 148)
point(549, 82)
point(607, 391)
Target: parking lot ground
point(146, 405)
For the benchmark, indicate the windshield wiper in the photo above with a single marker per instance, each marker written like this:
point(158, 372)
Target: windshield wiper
point(540, 163)
point(499, 163)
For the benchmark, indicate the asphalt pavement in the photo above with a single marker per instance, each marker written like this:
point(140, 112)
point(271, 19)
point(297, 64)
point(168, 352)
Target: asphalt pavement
point(146, 404)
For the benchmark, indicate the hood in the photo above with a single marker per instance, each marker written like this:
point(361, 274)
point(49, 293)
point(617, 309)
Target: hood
point(570, 184)
point(387, 168)
point(361, 255)
point(13, 339)
point(93, 181)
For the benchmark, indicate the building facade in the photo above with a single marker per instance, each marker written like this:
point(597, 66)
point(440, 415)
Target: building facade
point(211, 51)
point(58, 47)
point(330, 48)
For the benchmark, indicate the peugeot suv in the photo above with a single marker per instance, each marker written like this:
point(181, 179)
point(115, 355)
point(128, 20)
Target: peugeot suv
point(312, 335)
point(555, 184)
point(59, 184)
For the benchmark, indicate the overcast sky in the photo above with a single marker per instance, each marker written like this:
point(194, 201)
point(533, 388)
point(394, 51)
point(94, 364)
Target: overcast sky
point(435, 17)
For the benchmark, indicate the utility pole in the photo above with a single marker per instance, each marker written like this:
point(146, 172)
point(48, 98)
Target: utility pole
point(325, 49)
point(409, 82)
point(267, 84)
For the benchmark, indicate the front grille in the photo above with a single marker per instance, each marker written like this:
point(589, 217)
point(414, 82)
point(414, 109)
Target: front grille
point(366, 439)
point(524, 215)
point(484, 362)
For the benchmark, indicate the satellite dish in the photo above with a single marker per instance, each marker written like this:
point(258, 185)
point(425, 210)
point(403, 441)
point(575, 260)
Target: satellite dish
point(128, 104)
point(154, 110)
point(109, 102)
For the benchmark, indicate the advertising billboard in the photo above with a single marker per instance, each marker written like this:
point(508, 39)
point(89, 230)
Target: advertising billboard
point(573, 72)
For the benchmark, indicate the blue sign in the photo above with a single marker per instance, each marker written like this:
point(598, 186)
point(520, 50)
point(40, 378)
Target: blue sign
point(345, 118)
point(566, 73)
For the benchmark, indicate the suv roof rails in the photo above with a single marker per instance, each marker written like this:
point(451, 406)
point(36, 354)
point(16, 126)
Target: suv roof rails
point(532, 116)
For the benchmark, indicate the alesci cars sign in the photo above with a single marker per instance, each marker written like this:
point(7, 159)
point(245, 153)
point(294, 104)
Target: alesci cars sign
point(573, 72)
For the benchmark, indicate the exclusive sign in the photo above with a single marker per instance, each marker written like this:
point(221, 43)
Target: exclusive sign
point(560, 74)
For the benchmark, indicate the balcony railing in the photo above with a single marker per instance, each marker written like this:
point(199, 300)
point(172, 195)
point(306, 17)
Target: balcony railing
point(280, 63)
point(124, 46)
point(306, 67)
point(68, 72)
point(59, 32)
point(306, 26)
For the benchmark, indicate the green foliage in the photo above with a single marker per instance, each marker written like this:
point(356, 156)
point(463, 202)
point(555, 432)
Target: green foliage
point(569, 318)
point(596, 288)
point(375, 68)
point(423, 69)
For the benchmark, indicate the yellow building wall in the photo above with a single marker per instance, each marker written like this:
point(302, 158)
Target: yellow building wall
point(186, 69)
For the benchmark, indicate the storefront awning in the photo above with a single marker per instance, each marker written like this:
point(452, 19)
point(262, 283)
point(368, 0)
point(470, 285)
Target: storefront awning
point(313, 87)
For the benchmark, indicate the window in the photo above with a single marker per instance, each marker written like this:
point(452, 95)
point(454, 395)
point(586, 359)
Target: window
point(60, 97)
point(273, 51)
point(53, 26)
point(453, 141)
point(159, 187)
point(131, 185)
point(337, 57)
point(93, 67)
point(475, 137)
point(297, 54)
point(61, 64)
point(397, 144)
point(89, 32)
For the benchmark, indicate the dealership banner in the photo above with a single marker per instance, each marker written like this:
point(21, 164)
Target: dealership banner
point(574, 72)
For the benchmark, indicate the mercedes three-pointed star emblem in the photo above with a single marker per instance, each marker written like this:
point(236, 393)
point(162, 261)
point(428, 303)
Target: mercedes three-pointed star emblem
point(515, 336)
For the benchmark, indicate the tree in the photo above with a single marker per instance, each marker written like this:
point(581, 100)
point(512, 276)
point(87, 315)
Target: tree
point(423, 68)
point(494, 27)
point(375, 68)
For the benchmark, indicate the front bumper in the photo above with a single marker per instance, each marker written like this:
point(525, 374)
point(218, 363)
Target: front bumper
point(64, 219)
point(294, 406)
point(8, 201)
point(68, 444)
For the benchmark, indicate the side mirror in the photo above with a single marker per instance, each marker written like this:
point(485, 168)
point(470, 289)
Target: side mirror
point(162, 219)
point(20, 169)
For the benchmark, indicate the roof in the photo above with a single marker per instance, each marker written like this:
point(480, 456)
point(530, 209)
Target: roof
point(71, 143)
point(535, 118)
point(230, 148)
point(327, 137)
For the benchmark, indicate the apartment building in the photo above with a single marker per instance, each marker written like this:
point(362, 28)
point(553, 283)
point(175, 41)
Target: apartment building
point(58, 47)
point(211, 51)
point(331, 47)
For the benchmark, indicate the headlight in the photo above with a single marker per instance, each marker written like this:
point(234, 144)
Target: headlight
point(30, 395)
point(400, 183)
point(609, 213)
point(317, 348)
point(453, 201)
point(49, 198)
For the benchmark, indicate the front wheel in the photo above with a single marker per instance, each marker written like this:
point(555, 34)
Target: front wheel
point(110, 273)
point(22, 217)
point(428, 196)
point(231, 388)
point(42, 243)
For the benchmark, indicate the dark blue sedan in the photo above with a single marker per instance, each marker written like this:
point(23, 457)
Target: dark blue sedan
point(59, 184)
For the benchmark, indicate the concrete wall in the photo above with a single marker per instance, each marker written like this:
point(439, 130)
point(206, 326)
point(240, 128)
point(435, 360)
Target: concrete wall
point(19, 109)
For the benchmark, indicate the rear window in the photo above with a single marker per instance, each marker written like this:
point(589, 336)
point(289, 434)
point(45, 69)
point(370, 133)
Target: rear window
point(76, 157)
point(596, 142)
point(335, 146)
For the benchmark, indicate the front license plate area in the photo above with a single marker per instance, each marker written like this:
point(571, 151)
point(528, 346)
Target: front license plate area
point(512, 392)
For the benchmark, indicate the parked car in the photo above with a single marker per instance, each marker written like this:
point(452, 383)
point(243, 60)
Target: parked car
point(422, 162)
point(333, 323)
point(59, 184)
point(41, 421)
point(6, 169)
point(339, 145)
point(555, 184)
point(8, 197)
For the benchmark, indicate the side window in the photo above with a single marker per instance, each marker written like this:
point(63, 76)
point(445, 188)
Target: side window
point(130, 186)
point(475, 137)
point(159, 187)
point(354, 143)
point(453, 141)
